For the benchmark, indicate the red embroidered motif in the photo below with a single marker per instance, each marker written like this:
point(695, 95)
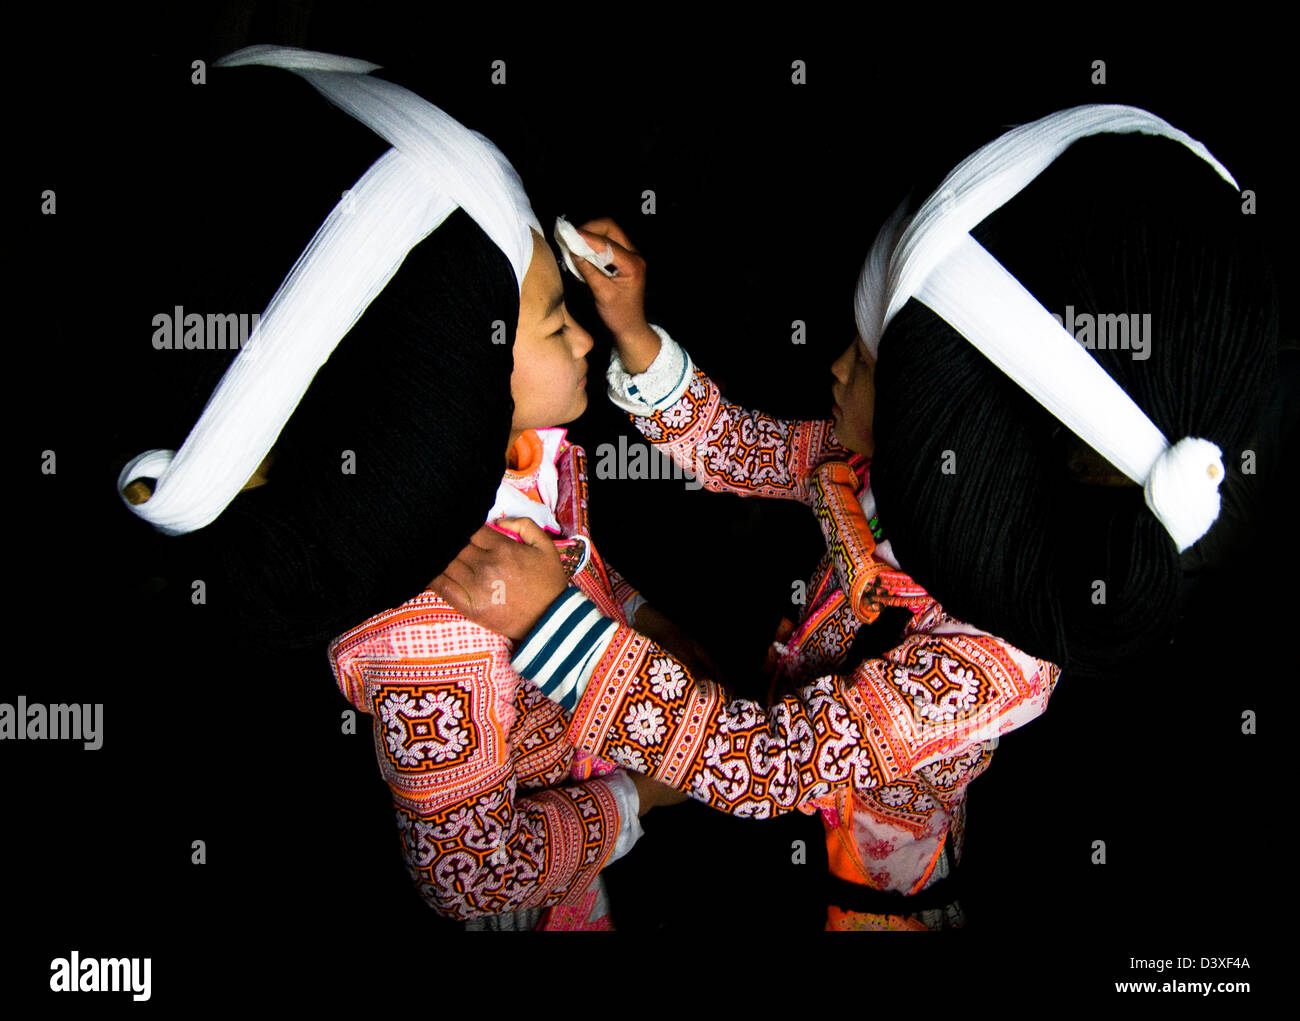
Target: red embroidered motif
point(495, 810)
point(906, 733)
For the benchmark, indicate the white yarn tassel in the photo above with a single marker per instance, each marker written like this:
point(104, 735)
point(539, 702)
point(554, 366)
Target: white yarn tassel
point(1182, 489)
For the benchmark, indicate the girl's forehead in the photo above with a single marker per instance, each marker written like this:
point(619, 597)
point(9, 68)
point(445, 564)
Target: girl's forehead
point(542, 282)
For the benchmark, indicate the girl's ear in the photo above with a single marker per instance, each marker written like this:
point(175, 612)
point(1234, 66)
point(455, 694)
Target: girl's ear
point(259, 477)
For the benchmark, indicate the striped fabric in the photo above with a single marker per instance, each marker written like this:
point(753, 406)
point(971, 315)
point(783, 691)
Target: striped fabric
point(558, 653)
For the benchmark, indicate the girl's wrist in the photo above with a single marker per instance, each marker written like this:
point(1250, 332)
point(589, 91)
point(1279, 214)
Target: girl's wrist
point(637, 347)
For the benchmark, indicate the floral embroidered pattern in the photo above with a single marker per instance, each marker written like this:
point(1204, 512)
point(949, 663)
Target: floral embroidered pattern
point(667, 678)
point(902, 736)
point(736, 450)
point(425, 729)
point(496, 810)
point(645, 723)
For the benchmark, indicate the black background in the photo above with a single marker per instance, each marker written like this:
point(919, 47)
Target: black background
point(768, 196)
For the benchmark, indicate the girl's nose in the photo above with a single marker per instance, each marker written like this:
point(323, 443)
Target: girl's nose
point(580, 341)
point(842, 365)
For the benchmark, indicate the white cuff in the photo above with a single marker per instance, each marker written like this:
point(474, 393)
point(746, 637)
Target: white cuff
point(659, 387)
point(629, 805)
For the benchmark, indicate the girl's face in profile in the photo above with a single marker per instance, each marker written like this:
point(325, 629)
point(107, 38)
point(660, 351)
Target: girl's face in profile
point(854, 394)
point(549, 382)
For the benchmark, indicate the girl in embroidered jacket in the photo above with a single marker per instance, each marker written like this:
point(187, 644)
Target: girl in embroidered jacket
point(496, 811)
point(453, 375)
point(1008, 543)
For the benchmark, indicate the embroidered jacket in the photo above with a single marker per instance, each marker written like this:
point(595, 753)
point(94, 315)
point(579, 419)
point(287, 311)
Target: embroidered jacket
point(887, 752)
point(496, 809)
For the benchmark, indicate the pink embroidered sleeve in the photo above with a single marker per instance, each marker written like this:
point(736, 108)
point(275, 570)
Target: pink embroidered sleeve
point(737, 451)
point(931, 702)
point(446, 720)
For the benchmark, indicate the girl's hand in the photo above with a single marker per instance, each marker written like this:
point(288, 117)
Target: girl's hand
point(652, 794)
point(503, 584)
point(620, 299)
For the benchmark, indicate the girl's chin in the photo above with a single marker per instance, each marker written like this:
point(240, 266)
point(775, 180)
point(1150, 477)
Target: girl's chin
point(853, 443)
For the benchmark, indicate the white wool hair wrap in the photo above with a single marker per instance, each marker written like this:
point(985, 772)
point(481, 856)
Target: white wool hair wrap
point(436, 165)
point(933, 259)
